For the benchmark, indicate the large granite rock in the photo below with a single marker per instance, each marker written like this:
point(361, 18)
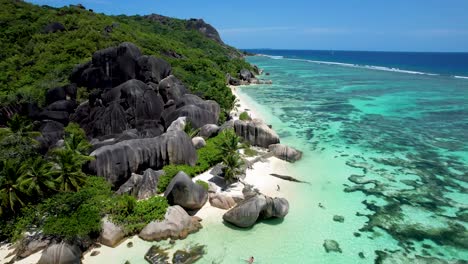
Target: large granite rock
point(196, 115)
point(62, 253)
point(140, 102)
point(208, 131)
point(152, 69)
point(204, 28)
point(246, 75)
point(254, 208)
point(256, 132)
point(171, 88)
point(178, 124)
point(51, 132)
point(142, 186)
point(184, 192)
point(59, 116)
point(67, 92)
point(117, 162)
point(177, 224)
point(285, 152)
point(62, 105)
point(191, 99)
point(111, 234)
point(221, 201)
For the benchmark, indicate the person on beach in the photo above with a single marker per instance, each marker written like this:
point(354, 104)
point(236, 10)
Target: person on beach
point(250, 260)
point(277, 188)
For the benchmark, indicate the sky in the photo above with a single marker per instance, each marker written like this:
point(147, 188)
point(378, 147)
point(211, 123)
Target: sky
point(373, 25)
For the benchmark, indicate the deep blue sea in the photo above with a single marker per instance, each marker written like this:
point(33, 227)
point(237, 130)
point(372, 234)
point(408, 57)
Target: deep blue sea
point(441, 63)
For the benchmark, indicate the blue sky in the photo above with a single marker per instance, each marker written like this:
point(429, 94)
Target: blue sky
point(396, 25)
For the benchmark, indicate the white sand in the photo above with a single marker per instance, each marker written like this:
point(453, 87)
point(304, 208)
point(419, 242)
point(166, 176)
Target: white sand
point(242, 105)
point(6, 249)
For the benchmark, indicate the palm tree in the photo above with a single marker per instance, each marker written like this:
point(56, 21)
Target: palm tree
point(69, 164)
point(37, 176)
point(233, 164)
point(17, 140)
point(77, 144)
point(230, 143)
point(12, 195)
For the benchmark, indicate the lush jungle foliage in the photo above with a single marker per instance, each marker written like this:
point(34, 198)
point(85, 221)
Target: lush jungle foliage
point(51, 192)
point(32, 61)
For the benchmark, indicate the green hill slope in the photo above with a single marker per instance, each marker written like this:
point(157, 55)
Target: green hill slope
point(32, 61)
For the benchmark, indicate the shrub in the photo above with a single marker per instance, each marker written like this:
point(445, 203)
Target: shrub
point(244, 116)
point(208, 156)
point(249, 152)
point(133, 215)
point(203, 184)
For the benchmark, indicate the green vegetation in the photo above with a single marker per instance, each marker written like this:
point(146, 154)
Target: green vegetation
point(33, 61)
point(133, 215)
point(16, 140)
point(190, 130)
point(244, 116)
point(208, 156)
point(203, 184)
point(217, 149)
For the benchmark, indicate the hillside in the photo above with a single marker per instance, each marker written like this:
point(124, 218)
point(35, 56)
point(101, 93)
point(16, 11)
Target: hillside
point(36, 57)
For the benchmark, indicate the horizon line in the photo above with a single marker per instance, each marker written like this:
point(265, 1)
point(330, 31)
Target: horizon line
point(355, 50)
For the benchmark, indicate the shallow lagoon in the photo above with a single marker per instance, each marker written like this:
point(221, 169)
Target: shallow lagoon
point(386, 150)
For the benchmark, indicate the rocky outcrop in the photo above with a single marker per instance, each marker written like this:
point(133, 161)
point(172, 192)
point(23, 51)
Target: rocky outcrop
point(111, 234)
point(184, 192)
point(197, 116)
point(51, 132)
point(221, 201)
point(285, 152)
point(67, 92)
point(256, 132)
point(117, 162)
point(178, 124)
point(62, 253)
point(142, 186)
point(177, 224)
point(171, 88)
point(53, 27)
point(198, 142)
point(256, 207)
point(208, 131)
point(152, 69)
point(204, 28)
point(331, 246)
point(246, 75)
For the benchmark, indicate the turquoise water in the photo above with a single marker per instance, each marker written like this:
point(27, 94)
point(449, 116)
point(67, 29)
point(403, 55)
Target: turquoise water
point(386, 150)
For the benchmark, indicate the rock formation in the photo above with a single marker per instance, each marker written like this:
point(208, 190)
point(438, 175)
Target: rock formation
point(221, 201)
point(184, 192)
point(111, 234)
point(117, 162)
point(285, 152)
point(256, 132)
point(177, 224)
point(142, 186)
point(256, 207)
point(62, 253)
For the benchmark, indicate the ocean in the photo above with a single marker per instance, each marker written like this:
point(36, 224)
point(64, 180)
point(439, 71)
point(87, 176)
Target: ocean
point(385, 143)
